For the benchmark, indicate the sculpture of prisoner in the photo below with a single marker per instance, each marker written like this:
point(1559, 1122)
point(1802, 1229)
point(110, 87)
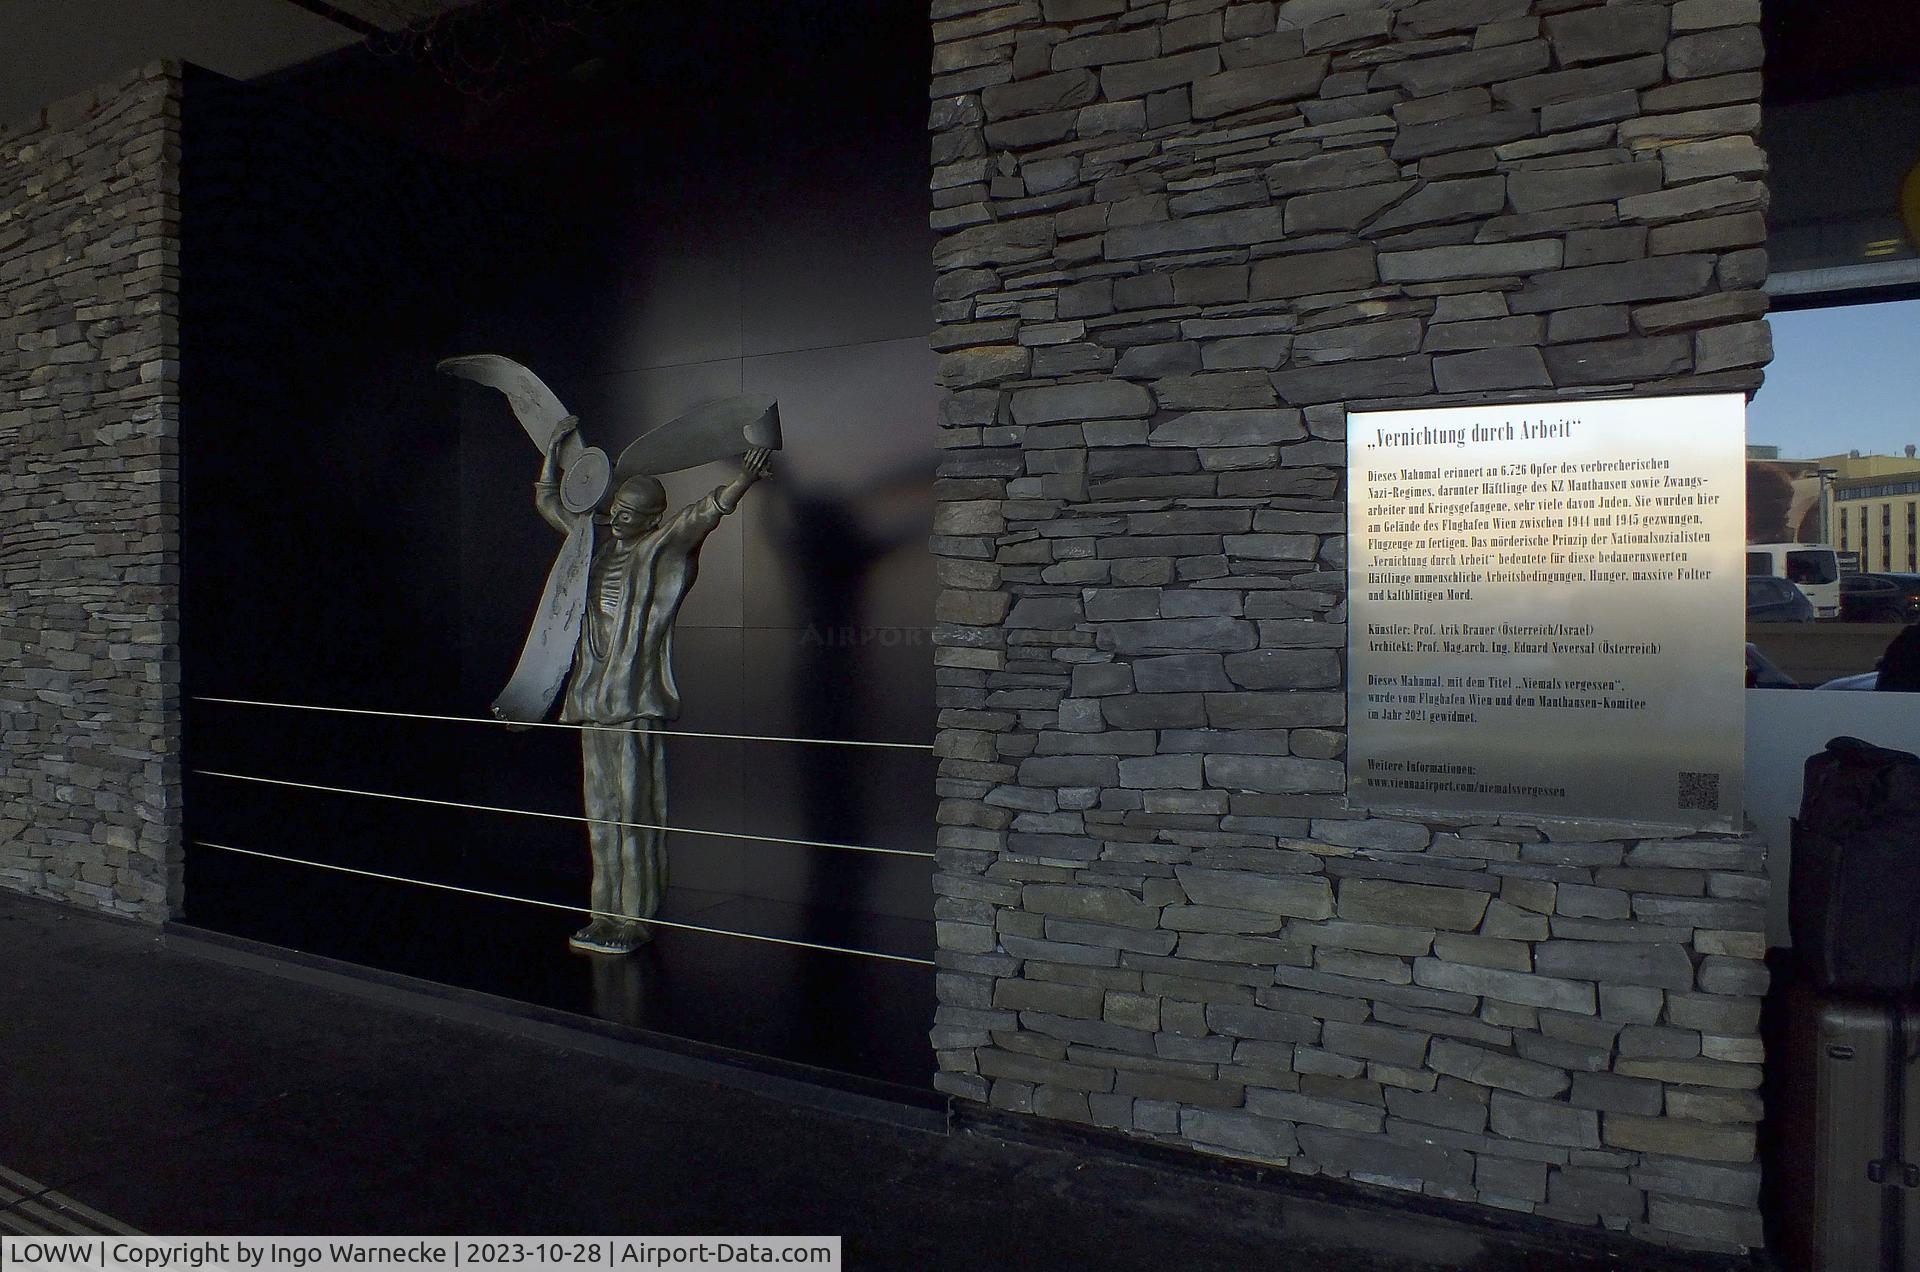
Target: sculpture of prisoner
point(621, 687)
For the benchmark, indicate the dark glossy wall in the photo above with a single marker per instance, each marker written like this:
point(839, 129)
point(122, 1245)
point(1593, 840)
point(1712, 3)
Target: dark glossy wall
point(646, 231)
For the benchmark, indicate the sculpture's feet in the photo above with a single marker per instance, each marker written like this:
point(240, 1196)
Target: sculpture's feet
point(610, 936)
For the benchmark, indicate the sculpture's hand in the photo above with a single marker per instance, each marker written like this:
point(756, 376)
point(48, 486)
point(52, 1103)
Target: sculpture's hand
point(551, 468)
point(756, 464)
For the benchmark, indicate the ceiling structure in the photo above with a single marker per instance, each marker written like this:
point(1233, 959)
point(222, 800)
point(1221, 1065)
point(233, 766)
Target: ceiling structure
point(50, 49)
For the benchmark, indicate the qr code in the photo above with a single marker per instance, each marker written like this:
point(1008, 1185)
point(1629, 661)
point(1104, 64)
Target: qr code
point(1700, 791)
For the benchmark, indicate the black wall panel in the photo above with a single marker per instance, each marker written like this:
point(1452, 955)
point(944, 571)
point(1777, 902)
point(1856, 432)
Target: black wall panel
point(646, 233)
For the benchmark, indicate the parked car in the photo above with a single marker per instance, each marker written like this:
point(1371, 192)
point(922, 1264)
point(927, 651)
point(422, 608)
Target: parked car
point(1763, 674)
point(1880, 598)
point(1774, 600)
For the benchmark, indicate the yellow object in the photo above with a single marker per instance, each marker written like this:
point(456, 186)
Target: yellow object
point(1910, 204)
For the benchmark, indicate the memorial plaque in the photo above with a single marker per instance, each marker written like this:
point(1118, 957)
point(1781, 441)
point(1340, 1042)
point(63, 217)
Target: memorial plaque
point(1547, 609)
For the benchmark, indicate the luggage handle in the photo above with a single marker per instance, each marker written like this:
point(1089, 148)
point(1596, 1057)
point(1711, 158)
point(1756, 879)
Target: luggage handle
point(1906, 1174)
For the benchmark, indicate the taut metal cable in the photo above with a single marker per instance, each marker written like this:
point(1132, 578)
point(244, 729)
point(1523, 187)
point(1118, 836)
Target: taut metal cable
point(554, 724)
point(592, 821)
point(572, 909)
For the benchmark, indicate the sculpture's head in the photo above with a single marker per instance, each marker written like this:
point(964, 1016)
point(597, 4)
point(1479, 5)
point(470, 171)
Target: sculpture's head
point(636, 507)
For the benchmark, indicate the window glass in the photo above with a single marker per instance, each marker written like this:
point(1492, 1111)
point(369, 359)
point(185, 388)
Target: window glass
point(1833, 487)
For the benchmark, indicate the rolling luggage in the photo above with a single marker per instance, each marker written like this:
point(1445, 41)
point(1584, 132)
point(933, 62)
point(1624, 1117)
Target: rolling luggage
point(1853, 1181)
point(1854, 885)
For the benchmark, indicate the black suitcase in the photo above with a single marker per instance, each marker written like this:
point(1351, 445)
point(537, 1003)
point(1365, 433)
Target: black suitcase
point(1854, 883)
point(1852, 1202)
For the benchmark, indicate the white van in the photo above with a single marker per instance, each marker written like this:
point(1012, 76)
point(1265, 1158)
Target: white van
point(1812, 567)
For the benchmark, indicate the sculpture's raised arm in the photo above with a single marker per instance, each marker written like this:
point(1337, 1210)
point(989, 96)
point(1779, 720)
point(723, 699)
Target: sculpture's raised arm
point(753, 466)
point(546, 491)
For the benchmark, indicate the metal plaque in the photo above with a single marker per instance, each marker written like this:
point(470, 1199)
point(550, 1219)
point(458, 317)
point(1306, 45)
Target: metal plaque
point(1546, 609)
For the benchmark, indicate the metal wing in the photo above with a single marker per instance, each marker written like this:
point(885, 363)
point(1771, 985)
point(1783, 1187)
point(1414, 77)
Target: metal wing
point(537, 407)
point(712, 431)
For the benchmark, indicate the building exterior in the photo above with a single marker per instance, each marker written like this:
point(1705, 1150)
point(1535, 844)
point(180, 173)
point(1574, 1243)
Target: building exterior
point(1176, 244)
point(1874, 516)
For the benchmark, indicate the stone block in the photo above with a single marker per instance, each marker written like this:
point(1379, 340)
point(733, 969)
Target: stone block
point(1495, 1069)
point(1473, 260)
point(1485, 333)
point(1411, 904)
point(1483, 951)
point(1374, 1158)
point(1619, 361)
point(1081, 901)
point(1346, 209)
point(1356, 381)
point(1719, 196)
point(1717, 52)
point(1543, 1121)
point(1310, 1110)
point(1243, 1133)
point(1298, 896)
point(1746, 344)
point(1509, 922)
point(1656, 278)
point(1282, 668)
point(1381, 338)
point(1722, 975)
point(1698, 1221)
point(1676, 1137)
point(1465, 132)
point(1356, 166)
point(1714, 1014)
point(1599, 35)
point(1618, 963)
point(1195, 233)
point(1543, 189)
point(1510, 1178)
point(1137, 79)
point(1094, 399)
point(1536, 91)
point(1448, 1106)
point(1238, 1021)
point(1702, 1072)
point(1376, 1042)
point(1714, 157)
point(1314, 273)
point(1489, 369)
point(1737, 1185)
point(1255, 86)
point(1229, 428)
point(1700, 15)
point(1276, 775)
point(1522, 988)
point(1063, 91)
point(1426, 76)
point(1720, 1106)
point(1275, 709)
point(1182, 635)
point(1612, 1093)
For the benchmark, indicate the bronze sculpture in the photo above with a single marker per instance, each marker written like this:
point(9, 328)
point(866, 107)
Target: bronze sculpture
point(622, 685)
point(606, 619)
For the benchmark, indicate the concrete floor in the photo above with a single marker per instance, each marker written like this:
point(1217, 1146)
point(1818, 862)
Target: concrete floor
point(186, 1096)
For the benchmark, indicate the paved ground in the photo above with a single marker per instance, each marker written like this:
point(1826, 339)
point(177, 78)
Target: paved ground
point(144, 1085)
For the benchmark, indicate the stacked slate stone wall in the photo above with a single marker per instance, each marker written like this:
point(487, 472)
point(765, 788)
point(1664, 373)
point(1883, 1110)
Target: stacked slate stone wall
point(89, 527)
point(1178, 241)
